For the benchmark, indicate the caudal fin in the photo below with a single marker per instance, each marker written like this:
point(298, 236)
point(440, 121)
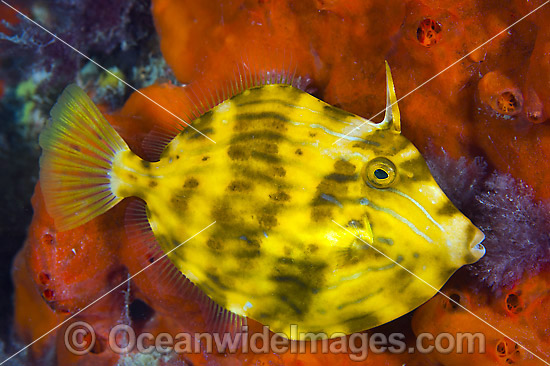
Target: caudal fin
point(78, 149)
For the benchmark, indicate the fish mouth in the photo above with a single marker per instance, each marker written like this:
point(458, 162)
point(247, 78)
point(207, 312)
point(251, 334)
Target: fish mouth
point(477, 250)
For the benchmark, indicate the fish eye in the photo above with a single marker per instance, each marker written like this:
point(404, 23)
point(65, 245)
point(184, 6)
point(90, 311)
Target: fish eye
point(379, 172)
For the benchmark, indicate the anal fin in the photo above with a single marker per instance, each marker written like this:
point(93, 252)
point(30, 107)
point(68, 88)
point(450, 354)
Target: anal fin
point(167, 277)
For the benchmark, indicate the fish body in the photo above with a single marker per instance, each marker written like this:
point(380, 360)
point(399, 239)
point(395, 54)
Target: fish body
point(286, 171)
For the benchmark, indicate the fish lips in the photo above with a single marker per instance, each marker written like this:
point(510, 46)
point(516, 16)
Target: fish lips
point(477, 250)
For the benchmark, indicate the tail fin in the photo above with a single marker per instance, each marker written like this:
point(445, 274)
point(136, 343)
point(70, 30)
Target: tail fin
point(78, 149)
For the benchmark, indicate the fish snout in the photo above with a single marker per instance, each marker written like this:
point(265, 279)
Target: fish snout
point(463, 240)
point(477, 250)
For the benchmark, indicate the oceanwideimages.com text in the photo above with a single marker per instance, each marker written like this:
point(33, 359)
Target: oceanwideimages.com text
point(80, 338)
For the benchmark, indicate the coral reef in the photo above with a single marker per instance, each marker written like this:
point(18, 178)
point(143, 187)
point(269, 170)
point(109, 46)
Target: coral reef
point(520, 313)
point(500, 93)
point(92, 27)
point(494, 103)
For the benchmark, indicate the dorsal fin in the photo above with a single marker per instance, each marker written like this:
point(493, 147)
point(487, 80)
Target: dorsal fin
point(204, 94)
point(392, 119)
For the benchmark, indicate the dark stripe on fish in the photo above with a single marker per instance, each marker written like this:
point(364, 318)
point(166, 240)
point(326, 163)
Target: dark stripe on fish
point(291, 279)
point(361, 299)
point(192, 134)
point(366, 144)
point(336, 113)
point(333, 189)
point(262, 115)
point(205, 120)
point(257, 135)
point(268, 158)
point(254, 174)
point(217, 281)
point(284, 298)
point(266, 101)
point(298, 279)
point(330, 112)
point(341, 177)
point(369, 319)
point(248, 254)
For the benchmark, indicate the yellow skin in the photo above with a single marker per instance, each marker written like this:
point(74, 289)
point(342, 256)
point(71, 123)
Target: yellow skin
point(274, 182)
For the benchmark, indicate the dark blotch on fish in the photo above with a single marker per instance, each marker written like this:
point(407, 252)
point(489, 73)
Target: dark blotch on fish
point(238, 152)
point(214, 244)
point(320, 213)
point(267, 221)
point(217, 281)
point(344, 167)
point(279, 171)
point(191, 183)
point(312, 248)
point(447, 209)
point(205, 120)
point(179, 203)
point(239, 186)
point(279, 196)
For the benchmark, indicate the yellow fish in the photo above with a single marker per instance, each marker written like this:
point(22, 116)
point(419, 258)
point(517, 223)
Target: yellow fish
point(286, 170)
